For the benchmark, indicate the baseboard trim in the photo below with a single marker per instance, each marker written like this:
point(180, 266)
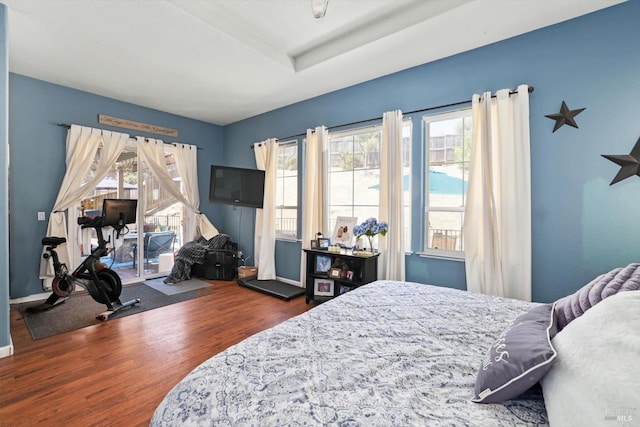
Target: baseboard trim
point(30, 298)
point(7, 350)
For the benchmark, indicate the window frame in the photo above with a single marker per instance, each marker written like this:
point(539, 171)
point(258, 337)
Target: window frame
point(407, 122)
point(328, 227)
point(426, 250)
point(281, 146)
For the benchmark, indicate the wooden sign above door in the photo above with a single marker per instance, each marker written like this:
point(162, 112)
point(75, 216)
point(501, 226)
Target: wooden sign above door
point(130, 124)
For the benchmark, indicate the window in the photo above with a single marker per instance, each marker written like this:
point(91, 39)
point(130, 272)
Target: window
point(407, 130)
point(287, 191)
point(353, 175)
point(448, 138)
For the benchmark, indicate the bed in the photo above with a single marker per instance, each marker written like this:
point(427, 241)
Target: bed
point(387, 353)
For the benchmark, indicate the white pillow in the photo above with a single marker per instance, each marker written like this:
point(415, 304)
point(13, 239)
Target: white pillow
point(595, 379)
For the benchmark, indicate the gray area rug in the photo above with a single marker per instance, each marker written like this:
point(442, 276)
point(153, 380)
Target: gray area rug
point(80, 310)
point(178, 288)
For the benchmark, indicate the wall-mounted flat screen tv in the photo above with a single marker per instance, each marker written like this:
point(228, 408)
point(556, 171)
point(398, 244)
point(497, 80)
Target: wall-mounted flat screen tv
point(236, 186)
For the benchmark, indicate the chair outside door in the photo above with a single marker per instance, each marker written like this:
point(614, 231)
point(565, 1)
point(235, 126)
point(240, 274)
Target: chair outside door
point(443, 240)
point(156, 243)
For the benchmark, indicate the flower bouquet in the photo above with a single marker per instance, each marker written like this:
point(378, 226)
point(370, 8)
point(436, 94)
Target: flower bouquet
point(370, 228)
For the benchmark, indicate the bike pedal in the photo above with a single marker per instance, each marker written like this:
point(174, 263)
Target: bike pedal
point(104, 316)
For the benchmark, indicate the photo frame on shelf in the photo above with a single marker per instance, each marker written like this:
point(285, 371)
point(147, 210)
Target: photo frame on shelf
point(343, 230)
point(323, 287)
point(324, 243)
point(336, 273)
point(314, 244)
point(323, 264)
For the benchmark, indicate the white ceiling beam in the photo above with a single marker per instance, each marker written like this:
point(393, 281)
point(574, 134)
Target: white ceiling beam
point(220, 18)
point(386, 22)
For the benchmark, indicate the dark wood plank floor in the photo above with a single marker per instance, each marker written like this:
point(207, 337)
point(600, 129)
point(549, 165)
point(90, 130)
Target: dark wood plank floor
point(117, 372)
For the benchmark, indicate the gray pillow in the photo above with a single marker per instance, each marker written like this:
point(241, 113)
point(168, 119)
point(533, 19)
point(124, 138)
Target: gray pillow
point(617, 280)
point(519, 358)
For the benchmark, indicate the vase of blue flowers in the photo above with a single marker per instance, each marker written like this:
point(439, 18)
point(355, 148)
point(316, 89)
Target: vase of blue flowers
point(370, 228)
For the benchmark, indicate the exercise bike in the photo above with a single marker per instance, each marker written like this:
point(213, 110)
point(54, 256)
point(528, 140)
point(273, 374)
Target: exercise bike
point(102, 283)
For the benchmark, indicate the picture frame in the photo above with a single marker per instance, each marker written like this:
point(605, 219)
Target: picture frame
point(323, 264)
point(343, 230)
point(314, 244)
point(323, 287)
point(324, 243)
point(344, 289)
point(335, 273)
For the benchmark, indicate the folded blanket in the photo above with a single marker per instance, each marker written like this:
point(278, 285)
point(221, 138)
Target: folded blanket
point(603, 286)
point(193, 253)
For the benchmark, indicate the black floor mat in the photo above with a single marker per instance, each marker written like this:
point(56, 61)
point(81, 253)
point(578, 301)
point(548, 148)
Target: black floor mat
point(272, 287)
point(80, 310)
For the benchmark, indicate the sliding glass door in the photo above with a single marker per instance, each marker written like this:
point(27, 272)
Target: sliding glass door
point(146, 248)
point(162, 221)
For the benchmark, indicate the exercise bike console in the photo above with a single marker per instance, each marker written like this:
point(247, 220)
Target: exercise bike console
point(102, 283)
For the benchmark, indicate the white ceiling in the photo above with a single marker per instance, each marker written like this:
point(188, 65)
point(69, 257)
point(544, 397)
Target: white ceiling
point(221, 61)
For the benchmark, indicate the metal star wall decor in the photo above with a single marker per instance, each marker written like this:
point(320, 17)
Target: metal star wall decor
point(565, 117)
point(629, 163)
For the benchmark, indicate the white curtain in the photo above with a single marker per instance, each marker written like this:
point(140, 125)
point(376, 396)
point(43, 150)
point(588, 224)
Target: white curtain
point(152, 152)
point(497, 225)
point(196, 223)
point(313, 190)
point(82, 145)
point(391, 198)
point(266, 153)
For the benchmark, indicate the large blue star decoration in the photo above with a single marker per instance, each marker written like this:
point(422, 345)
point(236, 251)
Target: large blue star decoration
point(565, 117)
point(629, 163)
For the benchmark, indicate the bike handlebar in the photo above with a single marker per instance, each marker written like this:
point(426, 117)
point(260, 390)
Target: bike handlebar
point(88, 222)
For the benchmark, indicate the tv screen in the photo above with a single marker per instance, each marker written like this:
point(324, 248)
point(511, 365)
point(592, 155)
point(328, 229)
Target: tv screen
point(118, 212)
point(236, 186)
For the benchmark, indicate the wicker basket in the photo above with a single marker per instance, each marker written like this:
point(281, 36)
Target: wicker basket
point(247, 271)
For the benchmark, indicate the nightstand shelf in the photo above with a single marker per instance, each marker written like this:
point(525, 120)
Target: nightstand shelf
point(349, 272)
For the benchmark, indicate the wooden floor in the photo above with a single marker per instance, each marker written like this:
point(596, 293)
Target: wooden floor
point(117, 372)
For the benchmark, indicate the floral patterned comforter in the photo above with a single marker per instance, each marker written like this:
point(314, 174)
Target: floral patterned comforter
point(386, 354)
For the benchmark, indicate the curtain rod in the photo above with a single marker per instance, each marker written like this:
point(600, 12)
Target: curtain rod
point(64, 125)
point(530, 89)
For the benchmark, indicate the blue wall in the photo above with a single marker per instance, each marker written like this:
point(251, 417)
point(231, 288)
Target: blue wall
point(581, 226)
point(5, 339)
point(38, 159)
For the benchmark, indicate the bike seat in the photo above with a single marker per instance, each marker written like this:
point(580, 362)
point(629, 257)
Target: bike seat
point(53, 241)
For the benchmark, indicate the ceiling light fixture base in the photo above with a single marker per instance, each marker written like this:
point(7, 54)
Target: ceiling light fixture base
point(319, 8)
